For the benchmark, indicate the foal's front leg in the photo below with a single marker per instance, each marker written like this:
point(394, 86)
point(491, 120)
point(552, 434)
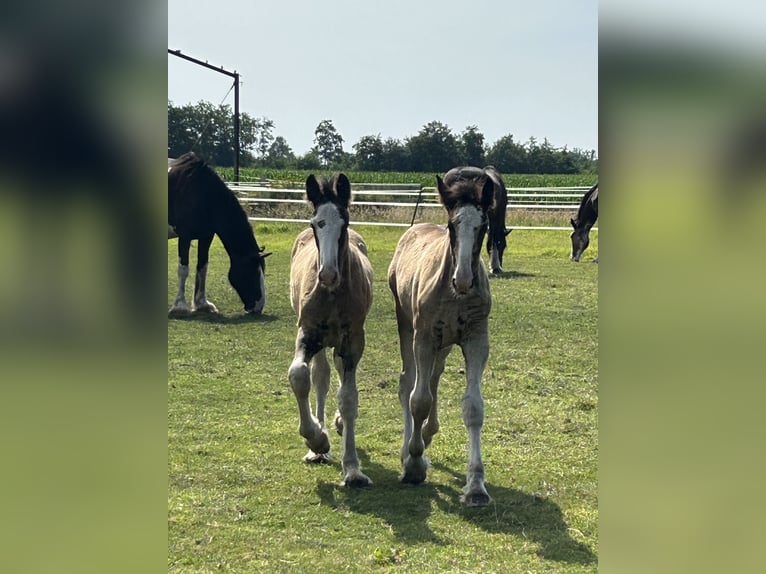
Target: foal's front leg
point(320, 379)
point(310, 428)
point(421, 401)
point(475, 353)
point(346, 361)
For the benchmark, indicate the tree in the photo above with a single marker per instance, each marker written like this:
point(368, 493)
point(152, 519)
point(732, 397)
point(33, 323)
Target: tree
point(435, 148)
point(262, 136)
point(368, 153)
point(328, 143)
point(472, 146)
point(279, 154)
point(508, 156)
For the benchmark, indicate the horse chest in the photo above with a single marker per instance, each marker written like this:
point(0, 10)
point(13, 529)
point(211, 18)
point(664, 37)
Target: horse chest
point(327, 321)
point(456, 323)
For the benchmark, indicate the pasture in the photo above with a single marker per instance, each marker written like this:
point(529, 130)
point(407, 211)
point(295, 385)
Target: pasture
point(241, 500)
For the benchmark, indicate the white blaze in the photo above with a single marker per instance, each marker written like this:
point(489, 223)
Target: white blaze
point(328, 225)
point(467, 223)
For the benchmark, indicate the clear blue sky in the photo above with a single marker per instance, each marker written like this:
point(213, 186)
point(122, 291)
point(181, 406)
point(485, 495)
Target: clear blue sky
point(389, 67)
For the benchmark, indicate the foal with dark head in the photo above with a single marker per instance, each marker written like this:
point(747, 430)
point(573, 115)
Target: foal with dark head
point(331, 292)
point(442, 297)
point(200, 205)
point(586, 217)
point(496, 242)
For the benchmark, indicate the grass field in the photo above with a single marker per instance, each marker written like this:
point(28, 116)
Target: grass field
point(241, 500)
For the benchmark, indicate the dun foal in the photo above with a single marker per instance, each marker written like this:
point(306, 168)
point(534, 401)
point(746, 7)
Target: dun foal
point(442, 297)
point(331, 292)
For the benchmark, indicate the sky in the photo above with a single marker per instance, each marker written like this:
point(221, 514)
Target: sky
point(387, 68)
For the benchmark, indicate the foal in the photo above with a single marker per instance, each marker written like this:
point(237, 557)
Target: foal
point(442, 297)
point(331, 292)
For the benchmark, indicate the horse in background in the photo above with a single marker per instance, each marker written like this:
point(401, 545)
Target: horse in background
point(496, 237)
point(441, 291)
point(200, 205)
point(587, 214)
point(331, 293)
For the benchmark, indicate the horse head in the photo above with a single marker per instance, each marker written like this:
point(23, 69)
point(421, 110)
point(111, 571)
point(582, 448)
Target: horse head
point(247, 276)
point(466, 202)
point(329, 223)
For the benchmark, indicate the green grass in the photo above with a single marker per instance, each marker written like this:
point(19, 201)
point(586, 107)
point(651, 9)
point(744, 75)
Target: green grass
point(241, 500)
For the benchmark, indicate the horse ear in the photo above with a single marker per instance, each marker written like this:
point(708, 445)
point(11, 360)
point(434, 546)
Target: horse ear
point(265, 255)
point(442, 189)
point(508, 231)
point(572, 221)
point(487, 194)
point(343, 189)
point(313, 190)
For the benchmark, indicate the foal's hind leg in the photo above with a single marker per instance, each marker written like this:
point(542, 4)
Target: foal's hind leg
point(320, 379)
point(201, 303)
point(346, 361)
point(310, 428)
point(431, 426)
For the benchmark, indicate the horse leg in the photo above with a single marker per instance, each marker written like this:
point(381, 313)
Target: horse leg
point(320, 378)
point(346, 361)
point(421, 400)
point(431, 426)
point(310, 428)
point(180, 307)
point(200, 300)
point(475, 352)
point(406, 377)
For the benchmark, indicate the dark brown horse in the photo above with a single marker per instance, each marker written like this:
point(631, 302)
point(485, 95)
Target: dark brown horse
point(586, 217)
point(496, 242)
point(331, 293)
point(200, 205)
point(442, 297)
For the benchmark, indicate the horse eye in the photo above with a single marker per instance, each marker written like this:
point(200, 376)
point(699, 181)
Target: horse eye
point(321, 223)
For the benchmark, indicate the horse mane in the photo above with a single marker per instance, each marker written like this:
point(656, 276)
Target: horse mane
point(582, 210)
point(238, 228)
point(465, 191)
point(329, 195)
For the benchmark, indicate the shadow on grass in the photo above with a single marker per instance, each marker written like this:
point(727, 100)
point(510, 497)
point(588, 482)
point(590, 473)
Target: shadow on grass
point(221, 319)
point(407, 508)
point(403, 507)
point(510, 275)
point(530, 516)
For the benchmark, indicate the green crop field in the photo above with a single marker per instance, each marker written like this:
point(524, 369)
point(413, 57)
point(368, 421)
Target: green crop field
point(241, 500)
point(293, 176)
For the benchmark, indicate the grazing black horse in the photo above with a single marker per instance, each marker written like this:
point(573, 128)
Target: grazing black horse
point(497, 233)
point(586, 217)
point(200, 205)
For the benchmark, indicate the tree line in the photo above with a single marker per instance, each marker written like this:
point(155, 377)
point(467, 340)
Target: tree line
point(208, 130)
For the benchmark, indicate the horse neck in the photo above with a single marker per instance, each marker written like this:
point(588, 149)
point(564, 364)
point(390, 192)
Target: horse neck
point(234, 230)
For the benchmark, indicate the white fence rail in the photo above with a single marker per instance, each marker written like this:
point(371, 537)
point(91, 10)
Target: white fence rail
point(534, 198)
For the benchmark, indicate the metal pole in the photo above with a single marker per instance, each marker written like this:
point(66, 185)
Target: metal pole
point(236, 127)
point(234, 75)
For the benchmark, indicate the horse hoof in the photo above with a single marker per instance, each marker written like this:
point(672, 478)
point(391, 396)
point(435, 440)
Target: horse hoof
point(478, 498)
point(339, 424)
point(356, 479)
point(312, 457)
point(415, 470)
point(319, 444)
point(207, 307)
